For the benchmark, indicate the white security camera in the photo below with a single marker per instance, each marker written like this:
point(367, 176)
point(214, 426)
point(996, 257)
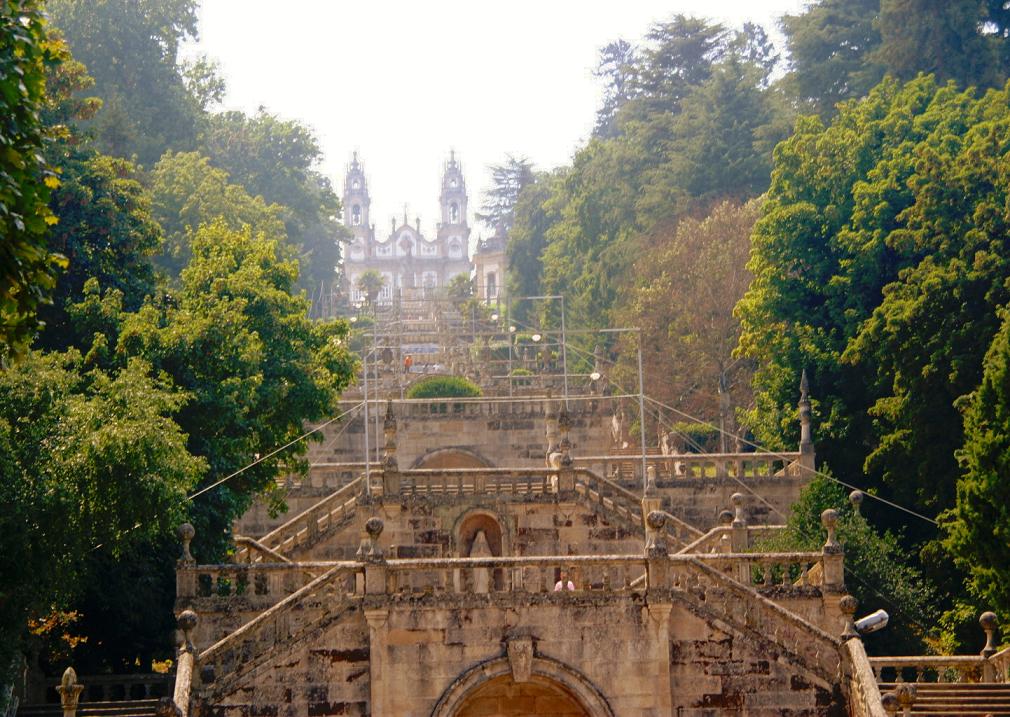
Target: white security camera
point(872, 622)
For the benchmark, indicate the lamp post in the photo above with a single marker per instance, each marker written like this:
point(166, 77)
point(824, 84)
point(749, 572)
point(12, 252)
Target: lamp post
point(564, 352)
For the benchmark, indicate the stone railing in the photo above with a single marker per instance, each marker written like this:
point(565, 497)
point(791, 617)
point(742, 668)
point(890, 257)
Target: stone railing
point(928, 668)
point(628, 468)
point(323, 474)
point(1001, 666)
point(242, 649)
point(612, 573)
point(613, 500)
point(304, 529)
point(475, 481)
point(216, 586)
point(859, 683)
point(710, 590)
point(765, 570)
point(720, 539)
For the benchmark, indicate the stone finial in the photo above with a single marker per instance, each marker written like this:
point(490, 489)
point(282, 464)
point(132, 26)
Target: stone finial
point(906, 694)
point(650, 481)
point(829, 519)
point(186, 534)
point(856, 500)
point(656, 542)
point(726, 518)
point(847, 605)
point(739, 518)
point(70, 692)
point(389, 462)
point(373, 528)
point(889, 702)
point(187, 622)
point(988, 622)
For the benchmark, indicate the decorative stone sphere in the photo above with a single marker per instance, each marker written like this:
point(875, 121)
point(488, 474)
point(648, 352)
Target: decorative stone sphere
point(656, 520)
point(829, 518)
point(187, 620)
point(736, 499)
point(726, 517)
point(890, 703)
point(848, 605)
point(186, 532)
point(374, 527)
point(856, 498)
point(987, 620)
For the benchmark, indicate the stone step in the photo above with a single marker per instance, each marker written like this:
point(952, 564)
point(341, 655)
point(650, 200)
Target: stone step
point(123, 708)
point(958, 698)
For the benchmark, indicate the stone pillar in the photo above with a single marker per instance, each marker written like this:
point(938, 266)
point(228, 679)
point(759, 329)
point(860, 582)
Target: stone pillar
point(566, 478)
point(807, 457)
point(660, 614)
point(651, 502)
point(372, 555)
point(656, 552)
point(832, 568)
point(390, 468)
point(185, 661)
point(185, 567)
point(988, 622)
point(376, 619)
point(739, 539)
point(70, 692)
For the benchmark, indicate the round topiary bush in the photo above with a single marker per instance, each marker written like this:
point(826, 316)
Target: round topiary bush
point(443, 387)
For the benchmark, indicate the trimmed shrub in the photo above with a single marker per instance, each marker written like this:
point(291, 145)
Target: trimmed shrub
point(443, 387)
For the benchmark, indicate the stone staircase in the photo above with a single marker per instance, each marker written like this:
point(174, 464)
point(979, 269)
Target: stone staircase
point(957, 698)
point(124, 708)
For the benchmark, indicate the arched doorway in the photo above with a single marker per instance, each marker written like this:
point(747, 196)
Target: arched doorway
point(490, 688)
point(504, 697)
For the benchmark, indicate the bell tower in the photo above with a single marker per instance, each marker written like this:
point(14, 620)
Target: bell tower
point(453, 196)
point(356, 200)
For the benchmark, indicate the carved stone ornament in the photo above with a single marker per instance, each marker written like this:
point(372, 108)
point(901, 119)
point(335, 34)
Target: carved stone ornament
point(520, 654)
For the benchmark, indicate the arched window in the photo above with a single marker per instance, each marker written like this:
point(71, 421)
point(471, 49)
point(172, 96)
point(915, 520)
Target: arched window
point(454, 213)
point(455, 250)
point(356, 184)
point(492, 286)
point(356, 215)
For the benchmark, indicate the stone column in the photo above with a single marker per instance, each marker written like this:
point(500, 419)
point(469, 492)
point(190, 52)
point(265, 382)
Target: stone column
point(390, 467)
point(988, 622)
point(660, 614)
point(739, 539)
point(832, 568)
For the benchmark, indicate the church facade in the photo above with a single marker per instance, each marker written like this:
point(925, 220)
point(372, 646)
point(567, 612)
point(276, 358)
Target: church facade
point(410, 264)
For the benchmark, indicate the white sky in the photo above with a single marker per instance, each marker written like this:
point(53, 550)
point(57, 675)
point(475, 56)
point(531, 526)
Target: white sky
point(404, 81)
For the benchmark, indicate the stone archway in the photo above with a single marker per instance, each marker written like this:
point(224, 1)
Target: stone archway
point(504, 697)
point(491, 686)
point(452, 458)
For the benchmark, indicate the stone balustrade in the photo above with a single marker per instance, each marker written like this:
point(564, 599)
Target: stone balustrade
point(693, 466)
point(474, 481)
point(929, 668)
point(324, 474)
point(766, 570)
point(214, 584)
point(305, 528)
point(1001, 666)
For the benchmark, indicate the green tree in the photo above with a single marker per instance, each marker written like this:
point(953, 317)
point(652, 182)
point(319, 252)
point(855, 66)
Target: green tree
point(616, 68)
point(277, 159)
point(879, 572)
point(976, 527)
point(131, 48)
point(370, 283)
point(91, 464)
point(28, 268)
point(507, 182)
point(528, 238)
point(187, 193)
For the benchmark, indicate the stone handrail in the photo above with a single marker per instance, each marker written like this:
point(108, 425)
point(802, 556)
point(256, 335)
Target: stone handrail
point(709, 589)
point(860, 684)
point(765, 570)
point(928, 668)
point(475, 481)
point(686, 466)
point(1001, 665)
point(276, 625)
point(304, 528)
point(612, 498)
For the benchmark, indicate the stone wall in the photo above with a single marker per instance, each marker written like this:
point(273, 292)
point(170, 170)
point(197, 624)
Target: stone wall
point(611, 654)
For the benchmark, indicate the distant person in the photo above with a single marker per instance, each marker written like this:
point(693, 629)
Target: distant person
point(564, 583)
point(408, 361)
